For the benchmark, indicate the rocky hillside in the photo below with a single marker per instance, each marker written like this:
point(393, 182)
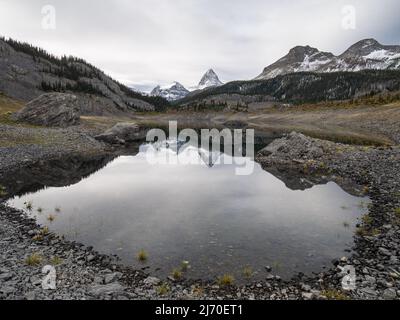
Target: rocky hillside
point(365, 54)
point(301, 88)
point(26, 72)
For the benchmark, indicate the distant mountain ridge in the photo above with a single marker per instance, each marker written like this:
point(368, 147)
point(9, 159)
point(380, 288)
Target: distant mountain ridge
point(27, 72)
point(176, 91)
point(363, 55)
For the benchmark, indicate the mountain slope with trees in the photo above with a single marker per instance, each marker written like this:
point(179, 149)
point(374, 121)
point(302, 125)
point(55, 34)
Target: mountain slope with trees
point(306, 87)
point(27, 71)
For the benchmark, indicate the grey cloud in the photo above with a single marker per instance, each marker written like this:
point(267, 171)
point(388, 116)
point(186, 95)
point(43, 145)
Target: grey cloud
point(159, 41)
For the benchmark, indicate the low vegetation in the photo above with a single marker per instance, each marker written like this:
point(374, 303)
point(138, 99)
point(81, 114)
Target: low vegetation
point(333, 294)
point(142, 256)
point(8, 105)
point(248, 272)
point(198, 291)
point(40, 236)
point(177, 274)
point(226, 280)
point(185, 266)
point(276, 265)
point(45, 231)
point(55, 261)
point(3, 191)
point(34, 259)
point(396, 219)
point(367, 227)
point(163, 289)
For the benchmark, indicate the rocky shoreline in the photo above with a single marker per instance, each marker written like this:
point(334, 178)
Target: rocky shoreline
point(85, 274)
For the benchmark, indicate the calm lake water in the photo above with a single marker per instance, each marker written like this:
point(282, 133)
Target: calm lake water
point(202, 213)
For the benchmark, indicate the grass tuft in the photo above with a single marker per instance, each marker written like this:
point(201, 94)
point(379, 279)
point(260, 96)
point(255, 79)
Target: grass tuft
point(177, 274)
point(226, 280)
point(34, 259)
point(38, 237)
point(185, 266)
point(198, 291)
point(142, 256)
point(248, 272)
point(163, 289)
point(55, 261)
point(3, 191)
point(333, 294)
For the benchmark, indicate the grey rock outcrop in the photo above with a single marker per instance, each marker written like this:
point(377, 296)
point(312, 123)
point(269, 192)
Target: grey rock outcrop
point(51, 110)
point(122, 133)
point(295, 145)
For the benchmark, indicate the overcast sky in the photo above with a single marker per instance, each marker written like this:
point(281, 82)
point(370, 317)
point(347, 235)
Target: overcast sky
point(146, 42)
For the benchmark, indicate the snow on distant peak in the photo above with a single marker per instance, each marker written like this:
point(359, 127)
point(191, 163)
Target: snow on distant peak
point(365, 54)
point(382, 55)
point(171, 92)
point(209, 79)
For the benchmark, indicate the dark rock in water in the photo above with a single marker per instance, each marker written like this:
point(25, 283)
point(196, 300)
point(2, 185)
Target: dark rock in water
point(51, 110)
point(122, 133)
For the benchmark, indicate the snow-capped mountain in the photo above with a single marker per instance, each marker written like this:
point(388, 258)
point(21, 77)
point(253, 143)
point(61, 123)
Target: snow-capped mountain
point(210, 79)
point(170, 92)
point(176, 91)
point(365, 54)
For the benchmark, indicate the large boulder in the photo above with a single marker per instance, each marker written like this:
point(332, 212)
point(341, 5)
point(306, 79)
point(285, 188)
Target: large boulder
point(51, 110)
point(295, 146)
point(122, 133)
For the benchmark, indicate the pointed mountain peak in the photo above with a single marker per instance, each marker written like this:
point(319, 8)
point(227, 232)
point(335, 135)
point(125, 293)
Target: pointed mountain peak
point(210, 72)
point(210, 79)
point(177, 85)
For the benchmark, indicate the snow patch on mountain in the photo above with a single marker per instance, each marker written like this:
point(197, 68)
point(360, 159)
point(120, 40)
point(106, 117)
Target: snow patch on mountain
point(365, 54)
point(210, 79)
point(171, 92)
